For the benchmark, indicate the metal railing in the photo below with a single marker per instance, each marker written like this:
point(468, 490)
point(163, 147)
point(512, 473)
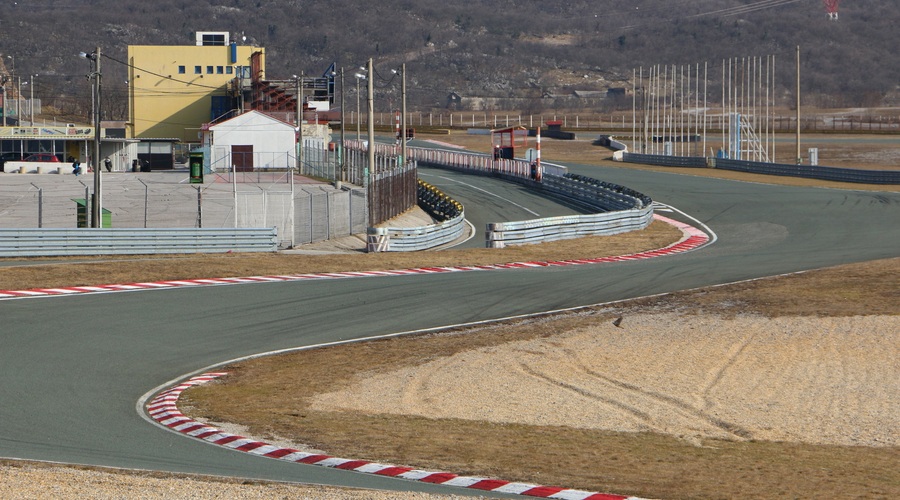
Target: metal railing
point(439, 206)
point(502, 234)
point(804, 171)
point(621, 209)
point(57, 242)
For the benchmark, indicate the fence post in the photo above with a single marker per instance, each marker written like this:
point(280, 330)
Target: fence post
point(146, 200)
point(199, 208)
point(40, 209)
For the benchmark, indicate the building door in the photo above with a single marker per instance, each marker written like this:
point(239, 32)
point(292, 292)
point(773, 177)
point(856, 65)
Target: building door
point(242, 158)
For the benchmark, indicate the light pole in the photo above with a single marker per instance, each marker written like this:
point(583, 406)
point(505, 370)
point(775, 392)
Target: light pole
point(300, 123)
point(31, 84)
point(359, 76)
point(19, 101)
point(370, 124)
point(341, 149)
point(403, 114)
point(94, 57)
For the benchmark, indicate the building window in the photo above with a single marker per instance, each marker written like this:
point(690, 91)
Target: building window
point(209, 70)
point(228, 70)
point(220, 70)
point(197, 70)
point(214, 39)
point(181, 70)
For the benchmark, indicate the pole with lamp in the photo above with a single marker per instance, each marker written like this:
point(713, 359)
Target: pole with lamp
point(370, 124)
point(403, 135)
point(19, 101)
point(359, 76)
point(31, 102)
point(341, 148)
point(94, 57)
point(299, 90)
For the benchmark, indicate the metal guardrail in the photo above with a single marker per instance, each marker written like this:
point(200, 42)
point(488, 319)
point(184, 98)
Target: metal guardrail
point(666, 161)
point(480, 163)
point(502, 234)
point(439, 206)
point(92, 241)
point(593, 193)
point(412, 239)
point(804, 171)
point(622, 210)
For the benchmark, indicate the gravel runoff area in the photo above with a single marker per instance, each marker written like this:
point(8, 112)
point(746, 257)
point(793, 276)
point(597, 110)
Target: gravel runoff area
point(791, 379)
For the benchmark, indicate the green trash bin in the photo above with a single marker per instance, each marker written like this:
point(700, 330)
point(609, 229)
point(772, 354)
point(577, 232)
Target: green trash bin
point(195, 160)
point(83, 215)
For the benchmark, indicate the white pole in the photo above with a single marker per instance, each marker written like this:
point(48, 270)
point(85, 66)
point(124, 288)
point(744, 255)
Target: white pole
point(633, 103)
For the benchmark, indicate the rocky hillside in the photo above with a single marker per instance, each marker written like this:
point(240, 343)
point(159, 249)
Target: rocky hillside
point(477, 48)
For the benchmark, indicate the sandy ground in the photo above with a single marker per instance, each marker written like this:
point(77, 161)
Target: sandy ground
point(810, 380)
point(37, 481)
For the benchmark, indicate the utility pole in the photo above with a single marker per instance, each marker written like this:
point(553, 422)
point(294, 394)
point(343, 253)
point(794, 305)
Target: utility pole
point(96, 209)
point(300, 123)
point(341, 148)
point(799, 158)
point(359, 76)
point(31, 85)
point(403, 114)
point(370, 125)
point(19, 101)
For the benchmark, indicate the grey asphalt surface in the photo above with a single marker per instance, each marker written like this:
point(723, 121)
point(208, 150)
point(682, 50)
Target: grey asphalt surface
point(74, 367)
point(489, 199)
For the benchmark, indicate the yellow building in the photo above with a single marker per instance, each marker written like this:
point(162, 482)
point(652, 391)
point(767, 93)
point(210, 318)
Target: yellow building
point(174, 89)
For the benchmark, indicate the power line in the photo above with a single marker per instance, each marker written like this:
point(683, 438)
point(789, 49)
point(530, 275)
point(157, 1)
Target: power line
point(165, 77)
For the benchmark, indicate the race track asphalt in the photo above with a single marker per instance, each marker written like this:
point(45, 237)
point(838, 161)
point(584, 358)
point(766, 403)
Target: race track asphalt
point(73, 368)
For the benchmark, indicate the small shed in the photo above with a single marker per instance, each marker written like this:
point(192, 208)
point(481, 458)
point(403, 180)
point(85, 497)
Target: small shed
point(506, 140)
point(250, 141)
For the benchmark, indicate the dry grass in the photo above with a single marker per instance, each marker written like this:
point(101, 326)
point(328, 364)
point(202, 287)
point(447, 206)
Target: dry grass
point(644, 464)
point(122, 270)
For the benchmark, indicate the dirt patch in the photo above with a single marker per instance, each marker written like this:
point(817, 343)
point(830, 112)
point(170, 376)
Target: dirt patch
point(723, 392)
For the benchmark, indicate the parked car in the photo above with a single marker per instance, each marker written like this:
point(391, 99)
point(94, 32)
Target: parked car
point(46, 157)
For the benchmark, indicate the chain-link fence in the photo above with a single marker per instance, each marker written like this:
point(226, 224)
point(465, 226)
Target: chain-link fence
point(304, 211)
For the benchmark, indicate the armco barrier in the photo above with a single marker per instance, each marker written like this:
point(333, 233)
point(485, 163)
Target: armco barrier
point(411, 239)
point(592, 193)
point(479, 163)
point(502, 234)
point(787, 170)
point(438, 205)
point(92, 241)
point(622, 209)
